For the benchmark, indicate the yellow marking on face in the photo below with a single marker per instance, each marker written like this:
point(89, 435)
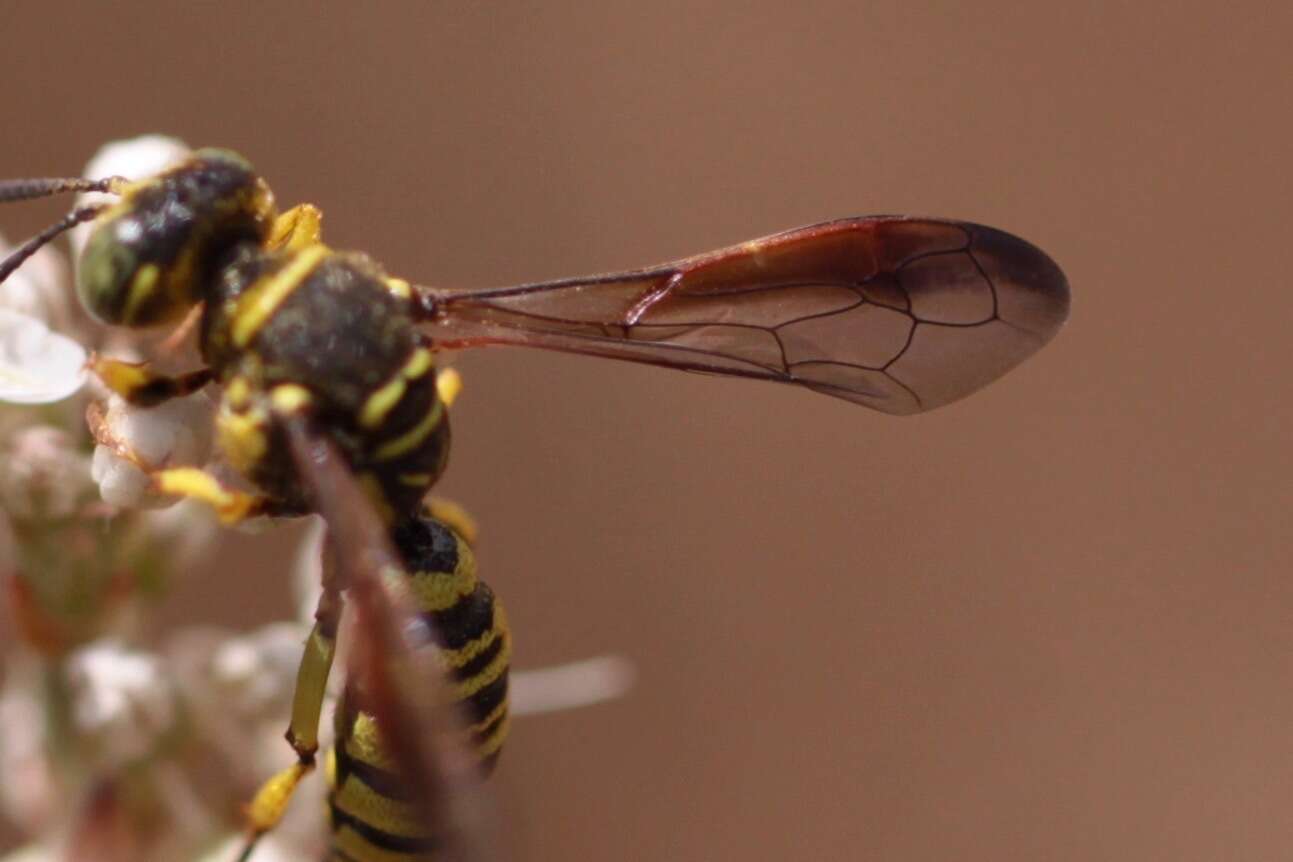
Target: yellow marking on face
point(264, 297)
point(290, 398)
point(399, 287)
point(142, 286)
point(384, 399)
point(412, 438)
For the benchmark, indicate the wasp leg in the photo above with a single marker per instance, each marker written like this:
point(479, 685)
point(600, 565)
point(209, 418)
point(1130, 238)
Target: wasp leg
point(139, 385)
point(271, 800)
point(299, 227)
point(454, 516)
point(448, 384)
point(231, 504)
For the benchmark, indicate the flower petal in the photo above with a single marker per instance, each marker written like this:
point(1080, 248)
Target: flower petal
point(39, 287)
point(37, 365)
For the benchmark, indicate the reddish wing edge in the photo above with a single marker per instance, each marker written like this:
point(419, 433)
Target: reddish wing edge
point(900, 314)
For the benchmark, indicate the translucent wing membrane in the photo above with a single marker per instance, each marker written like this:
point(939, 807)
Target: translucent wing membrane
point(899, 314)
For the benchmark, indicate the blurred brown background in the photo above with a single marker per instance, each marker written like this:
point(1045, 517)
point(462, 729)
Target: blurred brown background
point(1054, 621)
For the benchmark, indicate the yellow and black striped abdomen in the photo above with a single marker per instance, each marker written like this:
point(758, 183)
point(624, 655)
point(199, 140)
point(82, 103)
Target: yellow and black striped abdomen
point(371, 814)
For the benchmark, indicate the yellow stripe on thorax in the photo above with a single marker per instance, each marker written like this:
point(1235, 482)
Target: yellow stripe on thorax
point(259, 303)
point(381, 402)
point(412, 438)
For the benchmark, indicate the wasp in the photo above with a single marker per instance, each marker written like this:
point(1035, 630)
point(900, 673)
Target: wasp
point(327, 375)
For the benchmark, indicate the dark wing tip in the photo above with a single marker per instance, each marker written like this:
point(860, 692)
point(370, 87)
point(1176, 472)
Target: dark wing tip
point(980, 309)
point(1032, 291)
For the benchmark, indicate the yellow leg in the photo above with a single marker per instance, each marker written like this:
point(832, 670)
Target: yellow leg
point(230, 504)
point(297, 228)
point(140, 385)
point(271, 800)
point(453, 516)
point(448, 384)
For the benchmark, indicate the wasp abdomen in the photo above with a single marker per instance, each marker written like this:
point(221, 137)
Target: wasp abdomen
point(371, 813)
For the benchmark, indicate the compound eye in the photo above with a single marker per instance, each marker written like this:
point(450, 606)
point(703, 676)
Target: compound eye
point(119, 288)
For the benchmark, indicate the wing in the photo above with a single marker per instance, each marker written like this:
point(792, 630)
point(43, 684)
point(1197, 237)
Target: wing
point(900, 314)
point(404, 686)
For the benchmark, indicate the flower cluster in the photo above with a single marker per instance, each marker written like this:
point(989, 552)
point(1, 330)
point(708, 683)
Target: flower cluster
point(113, 744)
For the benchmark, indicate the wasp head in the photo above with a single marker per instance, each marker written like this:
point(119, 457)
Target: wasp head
point(151, 256)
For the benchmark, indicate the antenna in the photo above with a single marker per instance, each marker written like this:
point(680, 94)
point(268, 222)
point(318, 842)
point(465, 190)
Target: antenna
point(43, 187)
point(24, 190)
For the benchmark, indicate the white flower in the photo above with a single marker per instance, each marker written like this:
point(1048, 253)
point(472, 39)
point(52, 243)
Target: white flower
point(33, 853)
point(42, 473)
point(239, 689)
point(121, 483)
point(38, 288)
point(236, 681)
point(186, 530)
point(27, 794)
point(258, 670)
point(37, 365)
point(122, 699)
point(174, 433)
